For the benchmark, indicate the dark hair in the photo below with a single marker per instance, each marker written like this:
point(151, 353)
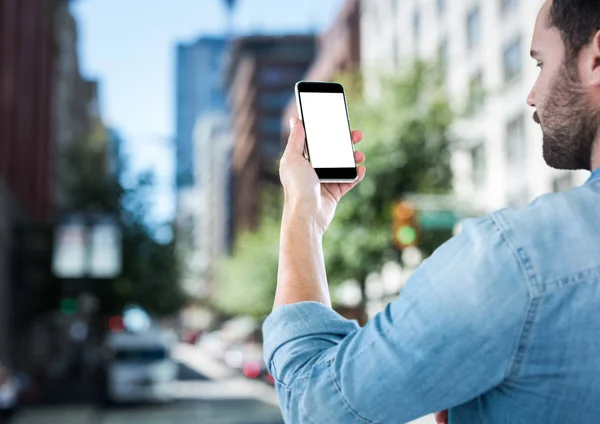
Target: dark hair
point(577, 21)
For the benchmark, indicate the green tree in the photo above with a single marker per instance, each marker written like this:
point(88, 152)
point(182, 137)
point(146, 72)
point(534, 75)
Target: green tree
point(248, 278)
point(150, 273)
point(408, 151)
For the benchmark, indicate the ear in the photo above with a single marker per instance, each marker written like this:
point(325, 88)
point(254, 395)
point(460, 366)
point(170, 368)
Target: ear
point(594, 61)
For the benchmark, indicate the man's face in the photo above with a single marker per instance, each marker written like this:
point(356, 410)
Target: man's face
point(568, 119)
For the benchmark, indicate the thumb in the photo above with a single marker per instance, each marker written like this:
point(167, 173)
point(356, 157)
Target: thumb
point(295, 144)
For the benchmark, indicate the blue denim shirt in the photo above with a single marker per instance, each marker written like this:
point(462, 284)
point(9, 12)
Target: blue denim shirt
point(500, 325)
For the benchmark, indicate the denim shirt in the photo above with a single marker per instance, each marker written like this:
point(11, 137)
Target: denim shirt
point(500, 325)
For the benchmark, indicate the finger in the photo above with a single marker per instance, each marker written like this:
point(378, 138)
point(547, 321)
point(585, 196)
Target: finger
point(357, 136)
point(295, 144)
point(345, 188)
point(359, 157)
point(441, 417)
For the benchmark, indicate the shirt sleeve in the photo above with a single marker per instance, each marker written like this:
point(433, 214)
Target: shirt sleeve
point(450, 336)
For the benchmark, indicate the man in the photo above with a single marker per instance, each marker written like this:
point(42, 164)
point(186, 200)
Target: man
point(500, 324)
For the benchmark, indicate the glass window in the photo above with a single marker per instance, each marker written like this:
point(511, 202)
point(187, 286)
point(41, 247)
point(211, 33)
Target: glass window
point(275, 76)
point(474, 28)
point(275, 100)
point(478, 165)
point(512, 60)
point(416, 25)
point(476, 93)
point(443, 54)
point(441, 6)
point(516, 160)
point(271, 148)
point(508, 5)
point(563, 183)
point(515, 141)
point(271, 125)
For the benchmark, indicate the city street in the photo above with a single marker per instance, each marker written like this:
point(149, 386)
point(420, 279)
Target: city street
point(205, 392)
point(231, 411)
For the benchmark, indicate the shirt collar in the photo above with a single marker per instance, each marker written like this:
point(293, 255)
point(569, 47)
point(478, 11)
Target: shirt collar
point(595, 175)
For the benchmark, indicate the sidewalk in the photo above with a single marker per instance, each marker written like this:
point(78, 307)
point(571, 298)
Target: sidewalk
point(56, 415)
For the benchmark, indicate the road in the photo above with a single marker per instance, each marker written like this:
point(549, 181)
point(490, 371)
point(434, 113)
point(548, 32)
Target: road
point(235, 411)
point(206, 393)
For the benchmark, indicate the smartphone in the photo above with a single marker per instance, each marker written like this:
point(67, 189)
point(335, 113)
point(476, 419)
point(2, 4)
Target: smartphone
point(324, 114)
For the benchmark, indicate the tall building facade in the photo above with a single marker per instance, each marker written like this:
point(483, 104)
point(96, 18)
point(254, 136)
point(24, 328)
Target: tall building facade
point(26, 55)
point(260, 78)
point(74, 100)
point(483, 50)
point(207, 204)
point(338, 51)
point(199, 90)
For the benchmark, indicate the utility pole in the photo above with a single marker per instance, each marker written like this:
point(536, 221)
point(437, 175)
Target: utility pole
point(230, 4)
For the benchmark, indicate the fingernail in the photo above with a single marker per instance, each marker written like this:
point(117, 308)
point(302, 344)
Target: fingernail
point(292, 123)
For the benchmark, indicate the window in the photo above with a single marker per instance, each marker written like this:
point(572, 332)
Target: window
point(443, 55)
point(474, 28)
point(271, 148)
point(516, 160)
point(476, 93)
point(508, 5)
point(478, 165)
point(271, 126)
point(563, 183)
point(275, 100)
point(416, 25)
point(441, 7)
point(515, 141)
point(512, 60)
point(274, 76)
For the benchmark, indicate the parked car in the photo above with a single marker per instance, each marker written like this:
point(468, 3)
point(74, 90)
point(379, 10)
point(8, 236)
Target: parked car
point(248, 359)
point(139, 367)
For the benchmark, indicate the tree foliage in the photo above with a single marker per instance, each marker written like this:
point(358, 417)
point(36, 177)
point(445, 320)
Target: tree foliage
point(407, 150)
point(150, 274)
point(248, 278)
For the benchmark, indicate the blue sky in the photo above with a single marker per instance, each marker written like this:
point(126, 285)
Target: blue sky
point(129, 45)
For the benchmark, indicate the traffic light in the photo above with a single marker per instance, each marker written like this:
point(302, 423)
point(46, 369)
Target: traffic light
point(69, 306)
point(405, 225)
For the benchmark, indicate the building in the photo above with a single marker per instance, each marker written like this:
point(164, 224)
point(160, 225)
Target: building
point(26, 175)
point(260, 78)
point(338, 51)
point(483, 49)
point(206, 205)
point(74, 100)
point(200, 68)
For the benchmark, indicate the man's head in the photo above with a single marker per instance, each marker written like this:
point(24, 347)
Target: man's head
point(566, 95)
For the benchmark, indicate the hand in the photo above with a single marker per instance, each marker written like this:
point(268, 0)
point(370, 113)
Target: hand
point(301, 185)
point(442, 417)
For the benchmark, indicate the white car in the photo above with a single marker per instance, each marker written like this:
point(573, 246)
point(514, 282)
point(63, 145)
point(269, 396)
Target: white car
point(139, 367)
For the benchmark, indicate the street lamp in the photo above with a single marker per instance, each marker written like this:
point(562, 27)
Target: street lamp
point(230, 5)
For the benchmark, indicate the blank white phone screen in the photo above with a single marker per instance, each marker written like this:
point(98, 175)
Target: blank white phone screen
point(327, 132)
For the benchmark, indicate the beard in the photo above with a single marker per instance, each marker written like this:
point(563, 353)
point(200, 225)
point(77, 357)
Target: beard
point(569, 123)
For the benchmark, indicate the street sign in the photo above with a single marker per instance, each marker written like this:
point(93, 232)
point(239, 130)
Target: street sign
point(438, 219)
point(104, 249)
point(87, 246)
point(69, 259)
